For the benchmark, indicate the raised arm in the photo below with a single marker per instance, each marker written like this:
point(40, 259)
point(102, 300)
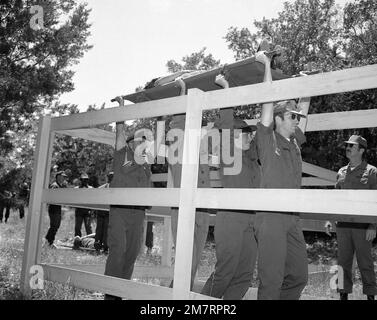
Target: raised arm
point(267, 108)
point(121, 139)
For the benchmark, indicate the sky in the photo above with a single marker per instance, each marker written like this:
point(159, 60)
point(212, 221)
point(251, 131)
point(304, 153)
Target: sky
point(133, 40)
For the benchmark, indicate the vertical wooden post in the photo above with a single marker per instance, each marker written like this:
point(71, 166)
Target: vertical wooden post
point(46, 185)
point(304, 104)
point(34, 217)
point(167, 243)
point(189, 183)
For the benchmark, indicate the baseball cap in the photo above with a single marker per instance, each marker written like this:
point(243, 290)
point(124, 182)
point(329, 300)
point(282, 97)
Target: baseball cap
point(287, 106)
point(242, 124)
point(84, 176)
point(237, 124)
point(60, 173)
point(355, 139)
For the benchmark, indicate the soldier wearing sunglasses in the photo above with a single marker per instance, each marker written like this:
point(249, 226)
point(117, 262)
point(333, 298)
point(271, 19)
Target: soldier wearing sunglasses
point(282, 257)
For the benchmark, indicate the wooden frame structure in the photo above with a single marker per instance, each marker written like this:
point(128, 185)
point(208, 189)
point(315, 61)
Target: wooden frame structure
point(360, 205)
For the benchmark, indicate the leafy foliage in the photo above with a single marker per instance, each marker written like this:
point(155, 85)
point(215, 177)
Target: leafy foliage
point(322, 34)
point(35, 65)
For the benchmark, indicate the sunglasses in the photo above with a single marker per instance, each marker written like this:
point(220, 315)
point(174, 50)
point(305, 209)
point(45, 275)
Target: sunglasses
point(295, 116)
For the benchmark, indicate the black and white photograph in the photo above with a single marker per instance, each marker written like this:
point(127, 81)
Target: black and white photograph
point(226, 151)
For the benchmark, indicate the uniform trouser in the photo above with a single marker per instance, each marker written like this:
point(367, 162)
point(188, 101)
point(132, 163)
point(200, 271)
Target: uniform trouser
point(236, 252)
point(55, 220)
point(200, 237)
point(101, 228)
point(7, 212)
point(81, 217)
point(351, 238)
point(124, 233)
point(21, 210)
point(282, 257)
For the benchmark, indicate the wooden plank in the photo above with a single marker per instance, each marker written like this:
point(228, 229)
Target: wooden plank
point(339, 217)
point(342, 120)
point(319, 172)
point(34, 217)
point(313, 85)
point(140, 271)
point(347, 202)
point(147, 109)
point(309, 181)
point(159, 177)
point(189, 182)
point(92, 134)
point(337, 120)
point(111, 285)
point(116, 196)
point(167, 243)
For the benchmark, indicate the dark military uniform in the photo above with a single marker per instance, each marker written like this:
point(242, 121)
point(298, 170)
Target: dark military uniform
point(125, 222)
point(55, 214)
point(351, 236)
point(102, 226)
point(83, 215)
point(201, 217)
point(282, 257)
point(236, 248)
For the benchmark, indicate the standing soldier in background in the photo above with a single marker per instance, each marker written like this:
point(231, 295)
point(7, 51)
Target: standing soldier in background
point(83, 214)
point(126, 222)
point(103, 222)
point(354, 236)
point(23, 198)
point(55, 211)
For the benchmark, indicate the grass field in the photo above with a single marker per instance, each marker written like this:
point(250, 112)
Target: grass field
point(320, 252)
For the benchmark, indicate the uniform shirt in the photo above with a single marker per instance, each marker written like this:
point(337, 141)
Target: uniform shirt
point(250, 175)
point(364, 176)
point(127, 173)
point(178, 122)
point(280, 159)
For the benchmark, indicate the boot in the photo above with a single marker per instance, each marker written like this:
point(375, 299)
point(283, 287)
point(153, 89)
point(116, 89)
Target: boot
point(343, 296)
point(370, 297)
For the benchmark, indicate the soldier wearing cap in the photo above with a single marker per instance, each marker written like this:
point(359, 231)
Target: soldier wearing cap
point(103, 221)
point(126, 222)
point(353, 236)
point(236, 248)
point(83, 215)
point(282, 257)
point(55, 211)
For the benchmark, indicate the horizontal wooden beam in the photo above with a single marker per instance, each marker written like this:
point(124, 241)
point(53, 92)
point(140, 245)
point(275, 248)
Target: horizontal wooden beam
point(342, 120)
point(92, 134)
point(309, 181)
point(159, 177)
point(348, 202)
point(111, 285)
point(314, 85)
point(319, 172)
point(168, 197)
point(147, 109)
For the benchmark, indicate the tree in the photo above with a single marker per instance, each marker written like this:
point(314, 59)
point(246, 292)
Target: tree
point(35, 65)
point(330, 38)
point(195, 61)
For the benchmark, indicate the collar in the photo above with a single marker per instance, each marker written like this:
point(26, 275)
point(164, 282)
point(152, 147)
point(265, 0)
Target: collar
point(361, 166)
